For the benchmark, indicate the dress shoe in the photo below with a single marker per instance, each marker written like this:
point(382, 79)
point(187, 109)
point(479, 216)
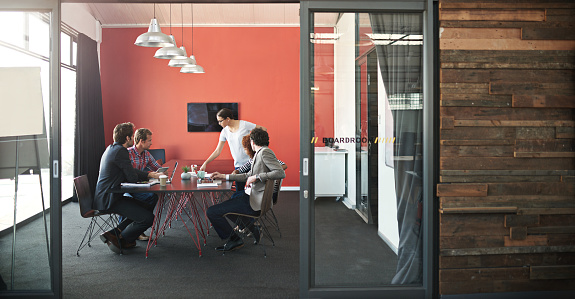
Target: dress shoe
point(113, 243)
point(126, 244)
point(231, 245)
point(143, 237)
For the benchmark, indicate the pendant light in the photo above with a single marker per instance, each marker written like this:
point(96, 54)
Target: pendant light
point(193, 69)
point(154, 37)
point(185, 61)
point(171, 51)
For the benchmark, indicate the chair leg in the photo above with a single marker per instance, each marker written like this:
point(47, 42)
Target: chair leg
point(275, 222)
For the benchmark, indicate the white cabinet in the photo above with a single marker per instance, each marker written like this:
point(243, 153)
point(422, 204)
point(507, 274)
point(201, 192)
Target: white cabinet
point(330, 175)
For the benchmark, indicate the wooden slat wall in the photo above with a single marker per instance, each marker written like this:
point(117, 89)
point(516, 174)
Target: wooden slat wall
point(507, 148)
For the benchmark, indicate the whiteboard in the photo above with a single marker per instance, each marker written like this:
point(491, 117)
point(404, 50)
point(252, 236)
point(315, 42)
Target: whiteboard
point(21, 101)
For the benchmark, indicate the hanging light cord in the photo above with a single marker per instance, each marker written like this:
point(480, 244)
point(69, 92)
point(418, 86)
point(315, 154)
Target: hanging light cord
point(192, 29)
point(182, 10)
point(170, 18)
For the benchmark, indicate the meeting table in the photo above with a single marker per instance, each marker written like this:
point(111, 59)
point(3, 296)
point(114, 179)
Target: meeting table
point(184, 199)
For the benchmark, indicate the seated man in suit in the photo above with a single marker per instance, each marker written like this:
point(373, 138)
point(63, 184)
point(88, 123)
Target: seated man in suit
point(265, 167)
point(143, 160)
point(116, 168)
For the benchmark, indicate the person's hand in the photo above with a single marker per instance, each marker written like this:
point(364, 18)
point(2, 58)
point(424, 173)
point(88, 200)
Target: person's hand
point(218, 176)
point(235, 171)
point(251, 180)
point(203, 168)
point(154, 175)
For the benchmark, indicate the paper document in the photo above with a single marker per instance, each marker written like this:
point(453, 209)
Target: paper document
point(208, 185)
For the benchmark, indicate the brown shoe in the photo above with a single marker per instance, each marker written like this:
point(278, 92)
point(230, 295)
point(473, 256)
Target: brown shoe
point(127, 245)
point(143, 237)
point(112, 241)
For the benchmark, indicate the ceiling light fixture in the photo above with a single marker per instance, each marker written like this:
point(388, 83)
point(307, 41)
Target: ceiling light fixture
point(154, 37)
point(171, 51)
point(193, 69)
point(185, 61)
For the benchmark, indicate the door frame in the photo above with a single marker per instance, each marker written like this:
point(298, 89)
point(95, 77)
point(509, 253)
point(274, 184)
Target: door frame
point(428, 289)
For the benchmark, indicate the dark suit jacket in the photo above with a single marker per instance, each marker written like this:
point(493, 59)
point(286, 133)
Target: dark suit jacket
point(267, 166)
point(115, 168)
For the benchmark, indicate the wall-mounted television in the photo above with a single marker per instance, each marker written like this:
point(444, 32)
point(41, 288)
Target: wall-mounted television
point(202, 116)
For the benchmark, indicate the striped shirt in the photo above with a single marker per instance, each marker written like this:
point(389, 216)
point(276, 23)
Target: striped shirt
point(248, 166)
point(143, 160)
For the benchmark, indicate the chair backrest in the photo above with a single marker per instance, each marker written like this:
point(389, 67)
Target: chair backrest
point(277, 188)
point(267, 197)
point(158, 154)
point(85, 196)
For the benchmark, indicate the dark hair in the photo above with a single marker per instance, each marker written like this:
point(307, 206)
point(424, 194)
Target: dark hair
point(121, 131)
point(141, 134)
point(260, 137)
point(225, 113)
point(248, 146)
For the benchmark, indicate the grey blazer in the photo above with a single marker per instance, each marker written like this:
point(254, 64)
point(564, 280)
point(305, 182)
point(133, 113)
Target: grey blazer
point(265, 165)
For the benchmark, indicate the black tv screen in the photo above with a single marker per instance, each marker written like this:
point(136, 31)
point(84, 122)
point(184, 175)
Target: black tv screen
point(202, 116)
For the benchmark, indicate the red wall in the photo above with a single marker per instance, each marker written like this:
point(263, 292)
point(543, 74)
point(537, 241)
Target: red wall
point(256, 67)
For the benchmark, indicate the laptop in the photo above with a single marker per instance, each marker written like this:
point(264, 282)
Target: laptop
point(173, 172)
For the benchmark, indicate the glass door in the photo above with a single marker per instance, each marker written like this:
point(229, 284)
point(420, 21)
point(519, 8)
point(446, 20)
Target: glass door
point(30, 224)
point(363, 99)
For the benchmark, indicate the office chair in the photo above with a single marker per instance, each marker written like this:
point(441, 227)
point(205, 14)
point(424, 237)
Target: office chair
point(259, 220)
point(100, 222)
point(159, 154)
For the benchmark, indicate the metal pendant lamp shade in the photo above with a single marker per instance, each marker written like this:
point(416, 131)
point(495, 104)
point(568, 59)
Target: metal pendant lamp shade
point(154, 37)
point(181, 62)
point(171, 52)
point(194, 69)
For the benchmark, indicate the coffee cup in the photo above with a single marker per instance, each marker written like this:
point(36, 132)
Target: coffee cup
point(201, 174)
point(163, 180)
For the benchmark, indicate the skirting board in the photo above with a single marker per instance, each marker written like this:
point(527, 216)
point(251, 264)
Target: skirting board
point(515, 295)
point(387, 241)
point(289, 188)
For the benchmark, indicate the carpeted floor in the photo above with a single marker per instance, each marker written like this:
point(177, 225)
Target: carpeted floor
point(348, 252)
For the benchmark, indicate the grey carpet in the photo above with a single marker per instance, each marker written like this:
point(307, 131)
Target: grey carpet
point(349, 252)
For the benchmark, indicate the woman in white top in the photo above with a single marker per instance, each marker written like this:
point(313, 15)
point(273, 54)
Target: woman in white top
point(233, 132)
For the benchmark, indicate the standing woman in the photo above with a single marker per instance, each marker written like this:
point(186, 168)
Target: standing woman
point(233, 132)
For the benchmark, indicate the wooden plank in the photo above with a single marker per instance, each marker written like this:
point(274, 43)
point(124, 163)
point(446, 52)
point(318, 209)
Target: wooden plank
point(502, 4)
point(447, 122)
point(458, 225)
point(517, 233)
point(551, 230)
point(531, 15)
point(461, 133)
point(505, 44)
point(568, 179)
point(462, 190)
point(544, 145)
point(531, 188)
point(545, 211)
point(565, 132)
point(464, 76)
point(528, 114)
point(476, 151)
point(506, 250)
point(480, 33)
point(505, 163)
point(476, 97)
point(544, 101)
point(565, 24)
point(509, 172)
point(514, 65)
point(561, 239)
point(492, 142)
point(521, 220)
point(479, 210)
point(558, 219)
point(513, 123)
point(483, 274)
point(502, 286)
point(536, 76)
point(555, 11)
point(544, 155)
point(494, 56)
point(552, 272)
point(536, 240)
point(535, 33)
point(476, 103)
point(471, 241)
point(497, 179)
point(530, 88)
point(506, 260)
point(535, 133)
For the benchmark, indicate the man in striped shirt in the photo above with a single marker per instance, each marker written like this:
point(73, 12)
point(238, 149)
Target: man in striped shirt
point(142, 159)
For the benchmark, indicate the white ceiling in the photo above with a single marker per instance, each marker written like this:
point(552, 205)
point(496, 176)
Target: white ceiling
point(114, 15)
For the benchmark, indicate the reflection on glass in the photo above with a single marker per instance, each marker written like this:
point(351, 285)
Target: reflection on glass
point(39, 35)
point(367, 97)
point(24, 163)
point(65, 49)
point(15, 22)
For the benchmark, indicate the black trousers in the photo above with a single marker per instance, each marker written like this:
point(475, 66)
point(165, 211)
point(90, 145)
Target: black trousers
point(138, 217)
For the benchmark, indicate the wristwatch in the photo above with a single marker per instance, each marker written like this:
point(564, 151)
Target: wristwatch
point(258, 177)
